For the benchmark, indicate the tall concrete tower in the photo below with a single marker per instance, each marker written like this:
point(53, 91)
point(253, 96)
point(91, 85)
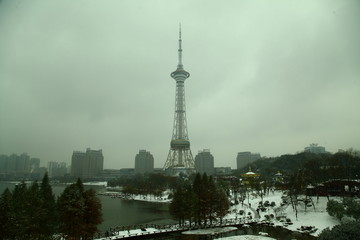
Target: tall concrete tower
point(180, 158)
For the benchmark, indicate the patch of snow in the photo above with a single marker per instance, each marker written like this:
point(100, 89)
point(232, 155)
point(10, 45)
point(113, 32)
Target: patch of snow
point(247, 237)
point(319, 218)
point(95, 184)
point(209, 231)
point(133, 232)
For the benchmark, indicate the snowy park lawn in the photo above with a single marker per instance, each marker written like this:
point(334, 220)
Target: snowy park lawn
point(318, 218)
point(133, 232)
point(150, 198)
point(247, 237)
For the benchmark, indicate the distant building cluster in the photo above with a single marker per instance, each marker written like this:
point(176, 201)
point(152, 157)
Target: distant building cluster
point(315, 148)
point(204, 162)
point(18, 163)
point(90, 165)
point(144, 162)
point(87, 165)
point(243, 159)
point(56, 169)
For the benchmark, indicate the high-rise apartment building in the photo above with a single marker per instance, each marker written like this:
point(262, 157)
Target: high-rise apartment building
point(144, 162)
point(34, 164)
point(57, 169)
point(245, 158)
point(87, 164)
point(15, 163)
point(204, 162)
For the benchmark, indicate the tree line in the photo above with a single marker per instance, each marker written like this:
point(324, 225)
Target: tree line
point(147, 184)
point(34, 213)
point(317, 167)
point(201, 202)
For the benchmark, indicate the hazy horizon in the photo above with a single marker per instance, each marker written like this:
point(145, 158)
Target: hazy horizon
point(269, 77)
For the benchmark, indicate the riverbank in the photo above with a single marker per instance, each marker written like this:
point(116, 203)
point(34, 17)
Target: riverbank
point(163, 198)
point(275, 210)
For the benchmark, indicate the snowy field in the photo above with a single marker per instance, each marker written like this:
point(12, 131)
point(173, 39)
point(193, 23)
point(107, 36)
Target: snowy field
point(318, 217)
point(246, 237)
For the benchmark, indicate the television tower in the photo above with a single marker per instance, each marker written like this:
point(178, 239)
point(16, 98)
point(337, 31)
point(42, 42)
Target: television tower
point(180, 158)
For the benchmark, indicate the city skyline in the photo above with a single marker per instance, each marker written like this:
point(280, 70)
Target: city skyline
point(268, 77)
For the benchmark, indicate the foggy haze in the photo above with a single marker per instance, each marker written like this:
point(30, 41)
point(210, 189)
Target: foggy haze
point(265, 76)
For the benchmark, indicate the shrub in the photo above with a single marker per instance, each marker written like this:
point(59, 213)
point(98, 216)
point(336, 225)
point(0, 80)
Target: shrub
point(341, 232)
point(335, 209)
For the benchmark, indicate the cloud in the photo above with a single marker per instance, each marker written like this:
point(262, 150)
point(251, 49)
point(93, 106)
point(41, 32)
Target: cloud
point(265, 77)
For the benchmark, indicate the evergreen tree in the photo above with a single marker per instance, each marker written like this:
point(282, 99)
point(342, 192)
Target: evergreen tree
point(79, 212)
point(352, 208)
point(48, 205)
point(18, 209)
point(336, 209)
point(222, 205)
point(33, 212)
point(92, 214)
point(190, 203)
point(177, 206)
point(203, 202)
point(204, 199)
point(71, 207)
point(348, 231)
point(6, 216)
point(211, 195)
point(197, 200)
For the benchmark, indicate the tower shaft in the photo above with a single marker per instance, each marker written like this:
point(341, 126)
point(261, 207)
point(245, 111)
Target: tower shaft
point(180, 158)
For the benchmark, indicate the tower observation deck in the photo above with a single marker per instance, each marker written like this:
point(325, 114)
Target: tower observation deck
point(180, 158)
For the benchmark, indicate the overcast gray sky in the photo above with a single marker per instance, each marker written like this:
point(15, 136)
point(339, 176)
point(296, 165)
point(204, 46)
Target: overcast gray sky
point(266, 76)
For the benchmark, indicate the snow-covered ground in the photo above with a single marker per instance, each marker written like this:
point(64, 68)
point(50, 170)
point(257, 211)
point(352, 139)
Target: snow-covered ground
point(246, 237)
point(317, 217)
point(132, 232)
point(95, 184)
point(210, 231)
point(147, 198)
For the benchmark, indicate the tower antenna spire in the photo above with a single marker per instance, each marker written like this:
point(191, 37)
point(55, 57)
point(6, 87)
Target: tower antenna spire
point(180, 65)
